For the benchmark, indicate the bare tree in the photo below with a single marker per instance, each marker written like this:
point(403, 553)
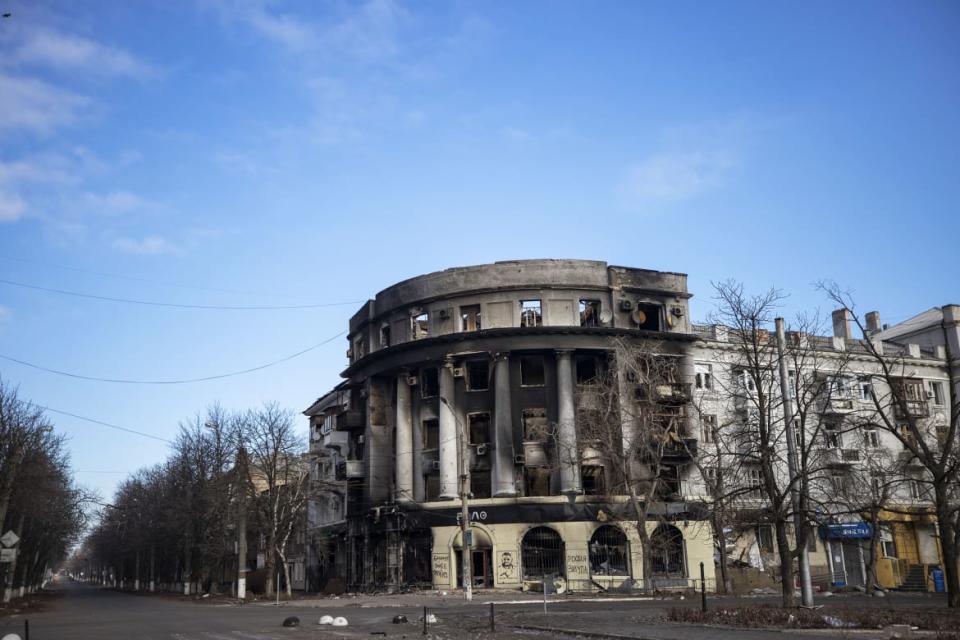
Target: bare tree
point(631, 417)
point(278, 478)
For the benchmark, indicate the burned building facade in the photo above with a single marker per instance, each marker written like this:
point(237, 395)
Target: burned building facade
point(466, 381)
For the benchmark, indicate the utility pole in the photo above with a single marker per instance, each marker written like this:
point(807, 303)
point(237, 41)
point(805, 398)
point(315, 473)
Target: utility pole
point(242, 526)
point(466, 534)
point(806, 588)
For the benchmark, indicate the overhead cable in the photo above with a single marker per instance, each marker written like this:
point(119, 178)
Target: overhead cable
point(176, 305)
point(78, 376)
point(103, 424)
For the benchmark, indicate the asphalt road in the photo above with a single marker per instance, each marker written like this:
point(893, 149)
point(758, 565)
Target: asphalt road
point(90, 613)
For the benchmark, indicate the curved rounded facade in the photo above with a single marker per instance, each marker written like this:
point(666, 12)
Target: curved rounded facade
point(463, 384)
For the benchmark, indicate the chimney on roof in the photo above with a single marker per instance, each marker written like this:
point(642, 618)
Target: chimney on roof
point(873, 322)
point(841, 324)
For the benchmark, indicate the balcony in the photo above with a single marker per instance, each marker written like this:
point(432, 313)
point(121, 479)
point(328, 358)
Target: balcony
point(350, 470)
point(350, 420)
point(338, 440)
point(914, 408)
point(684, 449)
point(665, 393)
point(841, 457)
point(834, 404)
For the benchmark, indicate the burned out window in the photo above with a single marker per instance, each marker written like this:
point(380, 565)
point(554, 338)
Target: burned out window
point(470, 318)
point(480, 483)
point(531, 371)
point(431, 486)
point(586, 369)
point(384, 336)
point(589, 313)
point(478, 375)
point(479, 427)
point(358, 348)
point(420, 326)
point(704, 376)
point(431, 434)
point(542, 554)
point(646, 316)
point(609, 553)
point(593, 480)
point(666, 551)
point(429, 383)
point(708, 427)
point(535, 425)
point(764, 534)
point(831, 435)
point(530, 313)
point(536, 481)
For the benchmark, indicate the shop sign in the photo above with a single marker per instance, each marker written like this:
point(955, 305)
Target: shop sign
point(847, 531)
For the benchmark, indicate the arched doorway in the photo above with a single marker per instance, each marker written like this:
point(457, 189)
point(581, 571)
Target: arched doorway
point(541, 554)
point(481, 551)
point(609, 552)
point(667, 556)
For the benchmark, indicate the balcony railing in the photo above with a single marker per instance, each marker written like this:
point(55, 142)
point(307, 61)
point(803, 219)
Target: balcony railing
point(350, 420)
point(914, 408)
point(834, 456)
point(685, 449)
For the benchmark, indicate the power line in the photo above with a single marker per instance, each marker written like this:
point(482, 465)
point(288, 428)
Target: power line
point(177, 305)
point(78, 376)
point(103, 424)
point(141, 279)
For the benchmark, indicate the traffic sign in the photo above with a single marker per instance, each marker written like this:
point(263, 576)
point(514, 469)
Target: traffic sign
point(9, 539)
point(8, 555)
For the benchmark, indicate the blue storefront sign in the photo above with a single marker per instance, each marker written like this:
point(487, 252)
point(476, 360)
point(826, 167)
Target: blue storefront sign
point(847, 531)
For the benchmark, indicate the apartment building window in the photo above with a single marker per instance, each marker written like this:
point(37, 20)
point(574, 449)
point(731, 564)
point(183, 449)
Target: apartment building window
point(744, 380)
point(840, 482)
point(535, 425)
point(531, 371)
point(420, 326)
point(764, 533)
point(480, 483)
point(917, 490)
point(429, 383)
point(431, 486)
point(886, 542)
point(530, 313)
point(708, 424)
point(479, 427)
point(840, 387)
point(935, 388)
point(866, 389)
point(876, 484)
point(906, 436)
point(798, 435)
point(536, 481)
point(791, 384)
point(831, 435)
point(704, 376)
point(589, 313)
point(871, 437)
point(754, 484)
point(912, 390)
point(358, 348)
point(710, 478)
point(470, 318)
point(431, 434)
point(478, 375)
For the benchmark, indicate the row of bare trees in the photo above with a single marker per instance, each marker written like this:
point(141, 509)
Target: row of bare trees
point(178, 523)
point(38, 500)
point(847, 402)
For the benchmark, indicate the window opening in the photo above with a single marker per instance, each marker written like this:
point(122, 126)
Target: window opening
point(530, 313)
point(541, 552)
point(429, 383)
point(420, 326)
point(709, 426)
point(478, 375)
point(704, 376)
point(431, 434)
point(586, 369)
point(609, 552)
point(535, 425)
point(479, 427)
point(589, 313)
point(480, 483)
point(646, 316)
point(384, 336)
point(470, 318)
point(592, 479)
point(764, 533)
point(666, 547)
point(531, 371)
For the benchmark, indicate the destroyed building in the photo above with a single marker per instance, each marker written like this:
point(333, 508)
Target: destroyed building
point(494, 354)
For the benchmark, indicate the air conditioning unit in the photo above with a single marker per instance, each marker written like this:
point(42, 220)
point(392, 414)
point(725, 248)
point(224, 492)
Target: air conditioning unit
point(413, 380)
point(433, 465)
point(458, 372)
point(930, 395)
point(482, 449)
point(520, 459)
point(444, 314)
point(626, 305)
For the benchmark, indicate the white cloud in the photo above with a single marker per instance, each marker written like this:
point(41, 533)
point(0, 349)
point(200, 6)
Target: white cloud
point(151, 245)
point(34, 105)
point(12, 206)
point(71, 52)
point(676, 175)
point(114, 203)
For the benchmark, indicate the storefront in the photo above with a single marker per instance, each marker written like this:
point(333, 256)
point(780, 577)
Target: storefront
point(848, 549)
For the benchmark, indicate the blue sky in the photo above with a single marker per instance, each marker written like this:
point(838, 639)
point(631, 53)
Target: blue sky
point(251, 153)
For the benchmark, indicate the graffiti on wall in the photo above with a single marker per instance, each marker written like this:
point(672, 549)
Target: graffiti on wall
point(507, 568)
point(441, 568)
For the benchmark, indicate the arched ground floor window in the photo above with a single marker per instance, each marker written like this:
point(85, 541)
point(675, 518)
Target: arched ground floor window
point(541, 554)
point(609, 552)
point(666, 550)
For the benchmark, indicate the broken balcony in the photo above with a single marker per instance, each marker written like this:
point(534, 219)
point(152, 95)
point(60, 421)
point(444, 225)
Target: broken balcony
point(350, 470)
point(351, 419)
